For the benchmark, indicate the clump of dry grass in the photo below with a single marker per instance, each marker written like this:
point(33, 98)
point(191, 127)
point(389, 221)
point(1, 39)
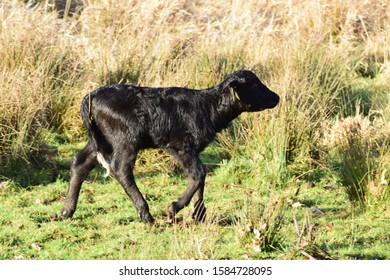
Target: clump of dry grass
point(35, 73)
point(261, 224)
point(360, 148)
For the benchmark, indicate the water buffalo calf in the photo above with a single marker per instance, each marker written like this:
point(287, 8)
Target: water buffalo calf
point(124, 119)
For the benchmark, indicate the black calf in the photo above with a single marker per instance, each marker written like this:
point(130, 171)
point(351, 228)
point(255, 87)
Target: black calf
point(123, 119)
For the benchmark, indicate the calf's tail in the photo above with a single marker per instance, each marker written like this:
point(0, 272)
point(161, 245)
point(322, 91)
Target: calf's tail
point(95, 135)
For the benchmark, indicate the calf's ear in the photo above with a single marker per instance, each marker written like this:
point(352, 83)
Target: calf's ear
point(236, 80)
point(234, 83)
point(238, 83)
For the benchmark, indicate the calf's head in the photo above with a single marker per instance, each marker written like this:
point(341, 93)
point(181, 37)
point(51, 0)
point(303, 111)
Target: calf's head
point(251, 93)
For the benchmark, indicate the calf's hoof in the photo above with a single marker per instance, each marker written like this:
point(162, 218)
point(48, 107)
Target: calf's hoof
point(66, 214)
point(146, 218)
point(172, 210)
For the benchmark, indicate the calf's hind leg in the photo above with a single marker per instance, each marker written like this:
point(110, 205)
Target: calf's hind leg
point(82, 164)
point(122, 166)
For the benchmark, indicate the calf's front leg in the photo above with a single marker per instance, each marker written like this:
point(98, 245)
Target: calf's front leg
point(196, 173)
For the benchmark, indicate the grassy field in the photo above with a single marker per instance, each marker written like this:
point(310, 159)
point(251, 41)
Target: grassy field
point(306, 180)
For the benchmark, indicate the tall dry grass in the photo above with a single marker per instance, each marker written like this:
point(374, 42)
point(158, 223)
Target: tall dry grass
point(327, 59)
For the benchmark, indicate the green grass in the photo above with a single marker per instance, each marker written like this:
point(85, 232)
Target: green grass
point(106, 226)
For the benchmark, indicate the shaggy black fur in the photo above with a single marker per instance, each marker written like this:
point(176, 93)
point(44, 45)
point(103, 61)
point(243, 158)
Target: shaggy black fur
point(123, 119)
